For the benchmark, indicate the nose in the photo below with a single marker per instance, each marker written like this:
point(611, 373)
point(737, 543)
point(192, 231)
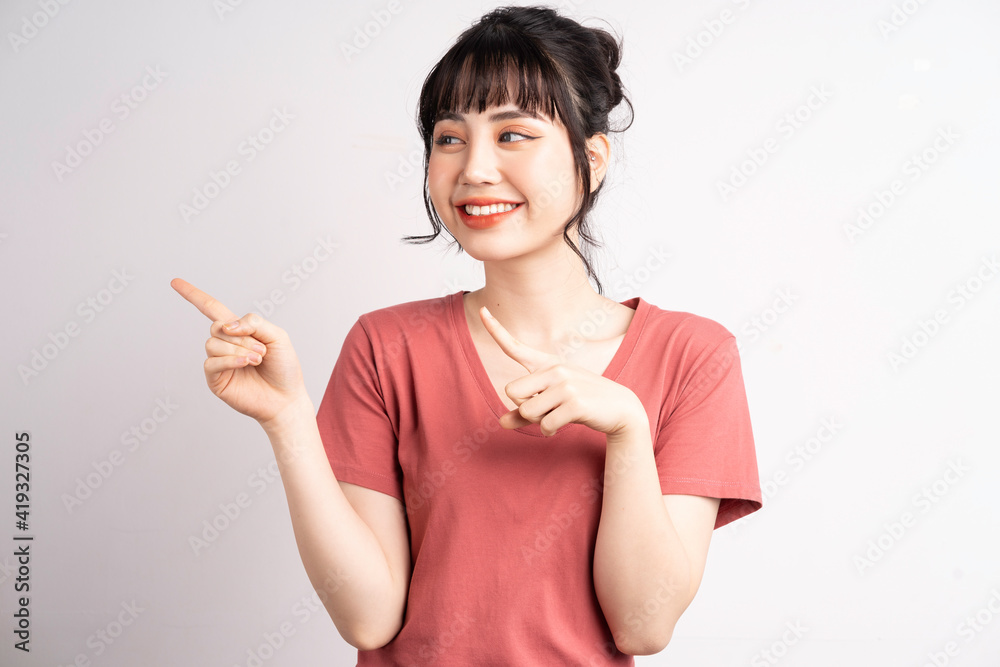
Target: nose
point(481, 163)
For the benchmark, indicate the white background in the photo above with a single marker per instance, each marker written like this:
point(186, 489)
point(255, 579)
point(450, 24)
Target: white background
point(338, 171)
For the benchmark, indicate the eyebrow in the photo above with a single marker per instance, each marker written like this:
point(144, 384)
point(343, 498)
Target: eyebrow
point(512, 114)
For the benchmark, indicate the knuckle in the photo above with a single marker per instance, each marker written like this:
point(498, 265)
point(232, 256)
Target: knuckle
point(253, 319)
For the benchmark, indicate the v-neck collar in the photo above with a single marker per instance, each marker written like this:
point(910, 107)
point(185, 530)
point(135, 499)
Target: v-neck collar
point(475, 363)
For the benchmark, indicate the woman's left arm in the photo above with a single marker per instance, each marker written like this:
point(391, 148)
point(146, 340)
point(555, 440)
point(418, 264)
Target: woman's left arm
point(651, 548)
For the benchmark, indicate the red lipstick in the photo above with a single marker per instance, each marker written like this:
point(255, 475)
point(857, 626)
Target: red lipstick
point(484, 221)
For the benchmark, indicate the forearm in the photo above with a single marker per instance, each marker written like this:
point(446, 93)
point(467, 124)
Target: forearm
point(641, 570)
point(341, 555)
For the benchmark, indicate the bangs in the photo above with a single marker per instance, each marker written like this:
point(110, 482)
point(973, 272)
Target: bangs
point(493, 68)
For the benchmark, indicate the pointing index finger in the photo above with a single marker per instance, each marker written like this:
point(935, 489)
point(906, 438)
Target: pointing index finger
point(525, 355)
point(211, 308)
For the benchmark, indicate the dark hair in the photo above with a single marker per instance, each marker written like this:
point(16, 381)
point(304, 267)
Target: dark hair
point(561, 69)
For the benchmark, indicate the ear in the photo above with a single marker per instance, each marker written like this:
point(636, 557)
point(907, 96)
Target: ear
point(598, 152)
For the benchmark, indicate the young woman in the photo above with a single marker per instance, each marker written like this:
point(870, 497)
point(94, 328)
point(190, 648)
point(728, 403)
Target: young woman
point(528, 473)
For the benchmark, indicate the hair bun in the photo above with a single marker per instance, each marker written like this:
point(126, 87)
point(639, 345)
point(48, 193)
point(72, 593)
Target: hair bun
point(610, 47)
point(611, 50)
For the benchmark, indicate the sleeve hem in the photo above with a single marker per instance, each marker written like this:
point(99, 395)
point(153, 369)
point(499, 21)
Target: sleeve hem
point(370, 480)
point(738, 499)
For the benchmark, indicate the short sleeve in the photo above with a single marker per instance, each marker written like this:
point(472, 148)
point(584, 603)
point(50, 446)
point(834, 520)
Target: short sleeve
point(706, 447)
point(358, 436)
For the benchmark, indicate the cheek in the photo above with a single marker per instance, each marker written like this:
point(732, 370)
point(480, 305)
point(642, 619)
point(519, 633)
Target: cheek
point(438, 182)
point(553, 184)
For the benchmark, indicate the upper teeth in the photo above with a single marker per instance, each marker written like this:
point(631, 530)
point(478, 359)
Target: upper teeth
point(488, 210)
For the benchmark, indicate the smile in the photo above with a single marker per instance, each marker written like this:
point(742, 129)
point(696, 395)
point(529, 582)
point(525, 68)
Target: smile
point(489, 210)
point(486, 215)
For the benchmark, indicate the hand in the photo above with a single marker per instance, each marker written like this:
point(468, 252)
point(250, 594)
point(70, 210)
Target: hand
point(259, 386)
point(555, 393)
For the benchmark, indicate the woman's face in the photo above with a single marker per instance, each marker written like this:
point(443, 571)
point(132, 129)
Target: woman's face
point(519, 164)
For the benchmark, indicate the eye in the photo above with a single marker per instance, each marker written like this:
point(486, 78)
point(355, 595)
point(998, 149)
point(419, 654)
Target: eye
point(512, 133)
point(445, 140)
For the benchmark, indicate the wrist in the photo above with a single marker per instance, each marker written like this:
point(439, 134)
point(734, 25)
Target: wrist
point(289, 418)
point(635, 424)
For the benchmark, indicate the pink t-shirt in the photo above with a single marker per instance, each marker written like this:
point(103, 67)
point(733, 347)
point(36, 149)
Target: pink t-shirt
point(503, 523)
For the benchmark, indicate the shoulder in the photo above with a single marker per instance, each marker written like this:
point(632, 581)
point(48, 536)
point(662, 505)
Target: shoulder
point(412, 316)
point(685, 331)
point(388, 331)
point(701, 350)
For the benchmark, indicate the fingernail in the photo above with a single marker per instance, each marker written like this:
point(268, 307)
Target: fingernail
point(488, 313)
point(255, 358)
point(257, 347)
point(233, 325)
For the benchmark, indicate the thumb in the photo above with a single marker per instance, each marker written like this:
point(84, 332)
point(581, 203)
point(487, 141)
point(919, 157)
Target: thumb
point(256, 326)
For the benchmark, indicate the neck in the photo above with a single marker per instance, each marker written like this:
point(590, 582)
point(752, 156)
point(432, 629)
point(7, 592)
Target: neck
point(540, 300)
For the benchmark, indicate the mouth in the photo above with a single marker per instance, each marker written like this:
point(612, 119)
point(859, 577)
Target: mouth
point(484, 214)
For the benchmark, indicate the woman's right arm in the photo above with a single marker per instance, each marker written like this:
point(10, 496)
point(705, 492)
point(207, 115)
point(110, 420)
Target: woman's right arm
point(353, 541)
